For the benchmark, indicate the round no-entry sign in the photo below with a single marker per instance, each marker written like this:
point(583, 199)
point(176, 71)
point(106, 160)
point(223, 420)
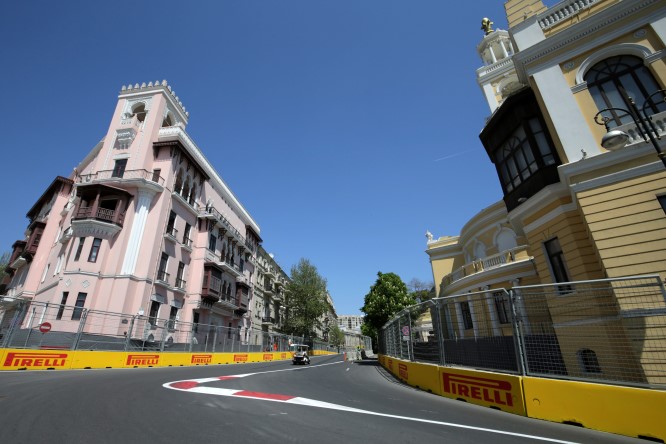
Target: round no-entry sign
point(45, 327)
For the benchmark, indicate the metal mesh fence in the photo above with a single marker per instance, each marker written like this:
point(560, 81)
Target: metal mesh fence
point(611, 331)
point(22, 325)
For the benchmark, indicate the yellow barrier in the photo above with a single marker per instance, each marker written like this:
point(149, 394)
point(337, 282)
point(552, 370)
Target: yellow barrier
point(25, 359)
point(623, 410)
point(495, 390)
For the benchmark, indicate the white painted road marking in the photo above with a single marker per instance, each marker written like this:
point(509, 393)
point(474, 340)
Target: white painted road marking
point(195, 386)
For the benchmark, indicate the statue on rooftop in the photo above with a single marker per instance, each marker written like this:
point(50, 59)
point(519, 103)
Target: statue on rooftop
point(487, 25)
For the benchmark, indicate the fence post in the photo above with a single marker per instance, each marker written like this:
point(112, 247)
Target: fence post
point(15, 324)
point(410, 345)
point(79, 333)
point(517, 334)
point(164, 335)
point(129, 333)
point(440, 336)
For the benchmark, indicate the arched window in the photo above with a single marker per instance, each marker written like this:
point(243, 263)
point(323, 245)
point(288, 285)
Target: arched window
point(614, 80)
point(479, 251)
point(505, 240)
point(139, 110)
point(179, 182)
point(168, 121)
point(588, 361)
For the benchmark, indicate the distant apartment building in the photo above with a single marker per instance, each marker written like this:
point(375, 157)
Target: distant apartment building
point(350, 323)
point(269, 305)
point(572, 209)
point(144, 225)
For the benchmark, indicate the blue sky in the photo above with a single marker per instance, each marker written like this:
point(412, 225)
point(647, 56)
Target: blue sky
point(346, 128)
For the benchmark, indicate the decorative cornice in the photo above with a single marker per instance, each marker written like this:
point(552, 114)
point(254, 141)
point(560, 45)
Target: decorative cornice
point(217, 182)
point(157, 86)
point(598, 25)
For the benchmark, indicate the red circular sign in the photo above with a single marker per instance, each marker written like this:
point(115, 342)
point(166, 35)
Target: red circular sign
point(45, 327)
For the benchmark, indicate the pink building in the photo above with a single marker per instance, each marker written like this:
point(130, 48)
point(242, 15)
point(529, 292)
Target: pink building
point(144, 225)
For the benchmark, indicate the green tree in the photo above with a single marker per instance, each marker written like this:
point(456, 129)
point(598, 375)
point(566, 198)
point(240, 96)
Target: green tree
point(336, 337)
point(305, 300)
point(387, 297)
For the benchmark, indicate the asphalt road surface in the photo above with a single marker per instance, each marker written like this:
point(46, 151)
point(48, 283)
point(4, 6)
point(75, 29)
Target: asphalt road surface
point(329, 401)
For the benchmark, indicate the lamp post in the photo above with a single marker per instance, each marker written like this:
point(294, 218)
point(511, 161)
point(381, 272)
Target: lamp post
point(615, 139)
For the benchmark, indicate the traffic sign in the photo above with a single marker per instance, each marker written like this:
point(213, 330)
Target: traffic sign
point(405, 330)
point(45, 327)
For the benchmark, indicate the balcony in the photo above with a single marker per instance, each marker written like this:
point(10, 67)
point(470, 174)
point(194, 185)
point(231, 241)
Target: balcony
point(211, 213)
point(211, 289)
point(102, 222)
point(267, 320)
point(187, 244)
point(514, 255)
point(171, 234)
point(229, 267)
point(163, 277)
point(180, 284)
point(143, 179)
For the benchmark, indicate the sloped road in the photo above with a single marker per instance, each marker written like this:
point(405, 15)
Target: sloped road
point(329, 401)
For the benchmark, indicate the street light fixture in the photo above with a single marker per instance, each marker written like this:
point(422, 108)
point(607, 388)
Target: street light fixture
point(615, 139)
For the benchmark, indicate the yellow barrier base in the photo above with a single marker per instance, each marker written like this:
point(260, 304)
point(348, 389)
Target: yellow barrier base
point(25, 359)
point(623, 410)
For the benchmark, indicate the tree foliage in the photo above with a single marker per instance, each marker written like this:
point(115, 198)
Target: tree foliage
point(420, 290)
point(336, 337)
point(387, 297)
point(305, 299)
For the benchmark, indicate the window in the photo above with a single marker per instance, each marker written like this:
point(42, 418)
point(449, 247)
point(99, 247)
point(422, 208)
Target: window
point(172, 317)
point(612, 82)
point(61, 309)
point(78, 307)
point(212, 241)
point(82, 240)
point(154, 311)
point(523, 153)
point(503, 307)
point(156, 175)
point(171, 230)
point(466, 315)
point(119, 168)
point(517, 141)
point(180, 283)
point(588, 361)
point(195, 322)
point(46, 270)
point(162, 275)
point(186, 234)
point(94, 250)
point(556, 262)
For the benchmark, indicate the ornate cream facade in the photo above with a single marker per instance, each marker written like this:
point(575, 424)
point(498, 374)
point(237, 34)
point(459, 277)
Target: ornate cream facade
point(572, 210)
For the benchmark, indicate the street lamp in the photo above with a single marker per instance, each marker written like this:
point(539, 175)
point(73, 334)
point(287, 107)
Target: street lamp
point(615, 139)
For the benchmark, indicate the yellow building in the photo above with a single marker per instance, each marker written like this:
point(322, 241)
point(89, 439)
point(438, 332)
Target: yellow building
point(572, 210)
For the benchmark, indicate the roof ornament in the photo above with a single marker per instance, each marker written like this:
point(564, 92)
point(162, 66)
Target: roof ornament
point(487, 25)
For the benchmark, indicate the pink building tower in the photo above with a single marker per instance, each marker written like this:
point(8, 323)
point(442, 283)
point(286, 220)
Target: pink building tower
point(143, 226)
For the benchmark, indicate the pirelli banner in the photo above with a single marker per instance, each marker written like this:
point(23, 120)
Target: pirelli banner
point(24, 359)
point(495, 390)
